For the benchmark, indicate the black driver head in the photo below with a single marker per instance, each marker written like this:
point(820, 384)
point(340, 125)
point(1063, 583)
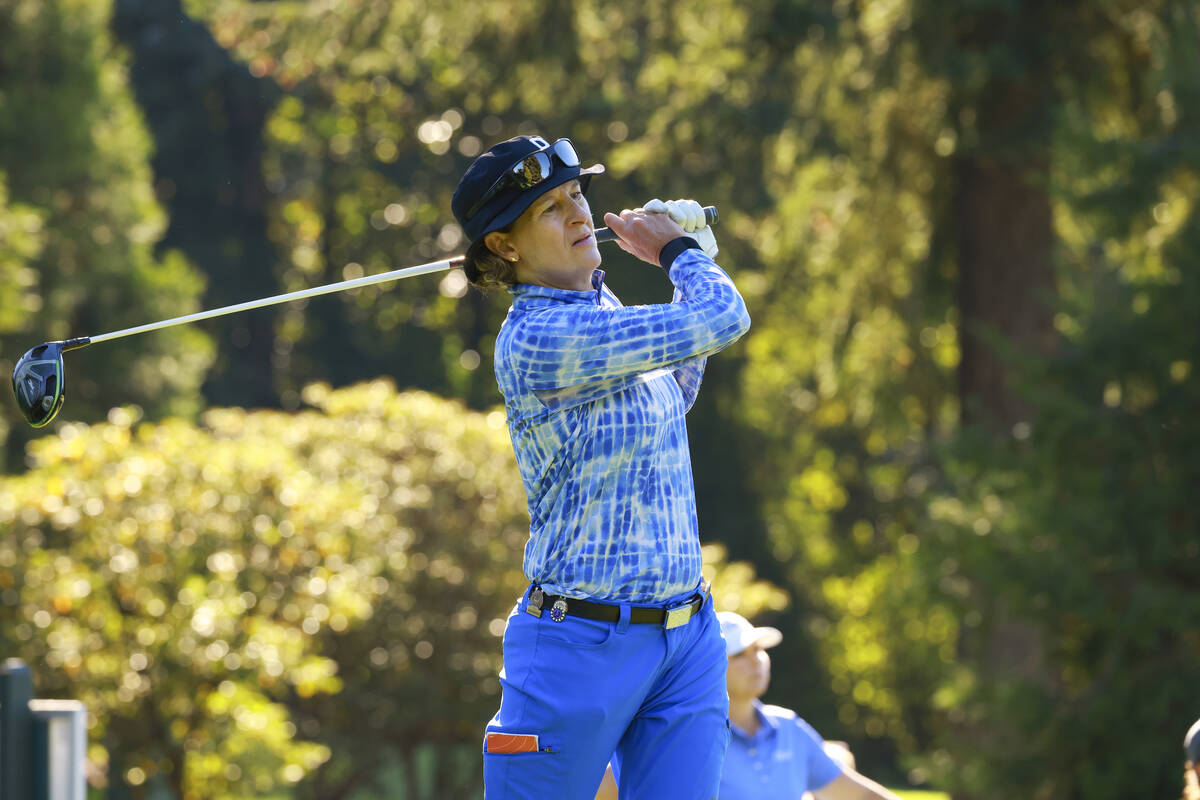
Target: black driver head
point(38, 383)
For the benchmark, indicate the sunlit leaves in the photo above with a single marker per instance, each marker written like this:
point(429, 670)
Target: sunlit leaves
point(79, 214)
point(21, 239)
point(215, 573)
point(829, 135)
point(735, 586)
point(241, 603)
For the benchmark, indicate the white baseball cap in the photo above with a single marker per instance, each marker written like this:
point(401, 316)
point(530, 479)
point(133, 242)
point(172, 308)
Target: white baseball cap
point(1191, 742)
point(740, 634)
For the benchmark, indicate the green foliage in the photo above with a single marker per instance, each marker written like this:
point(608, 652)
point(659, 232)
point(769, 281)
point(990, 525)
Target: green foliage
point(735, 587)
point(1084, 532)
point(21, 240)
point(961, 610)
point(79, 219)
point(274, 599)
point(387, 103)
point(200, 589)
point(996, 606)
point(919, 795)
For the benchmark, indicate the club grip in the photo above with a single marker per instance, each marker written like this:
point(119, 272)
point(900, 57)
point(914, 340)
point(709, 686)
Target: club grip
point(606, 234)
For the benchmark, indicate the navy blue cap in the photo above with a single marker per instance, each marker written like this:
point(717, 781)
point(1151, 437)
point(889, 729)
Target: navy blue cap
point(503, 209)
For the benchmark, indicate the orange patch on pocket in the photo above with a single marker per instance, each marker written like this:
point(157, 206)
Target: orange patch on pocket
point(511, 743)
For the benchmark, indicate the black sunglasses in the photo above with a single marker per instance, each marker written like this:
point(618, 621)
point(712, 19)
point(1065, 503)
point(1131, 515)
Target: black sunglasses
point(530, 171)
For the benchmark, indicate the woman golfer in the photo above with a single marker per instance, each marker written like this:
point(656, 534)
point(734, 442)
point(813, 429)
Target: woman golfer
point(614, 651)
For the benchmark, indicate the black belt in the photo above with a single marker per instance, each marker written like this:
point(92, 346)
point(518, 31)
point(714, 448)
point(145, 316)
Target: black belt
point(559, 607)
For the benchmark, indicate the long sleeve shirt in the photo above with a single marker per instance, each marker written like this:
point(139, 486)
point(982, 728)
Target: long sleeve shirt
point(596, 394)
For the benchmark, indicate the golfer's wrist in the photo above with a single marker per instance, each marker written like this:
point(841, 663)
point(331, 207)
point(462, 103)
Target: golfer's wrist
point(672, 249)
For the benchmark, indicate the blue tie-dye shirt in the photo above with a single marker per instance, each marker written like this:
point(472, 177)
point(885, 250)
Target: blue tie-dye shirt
point(596, 394)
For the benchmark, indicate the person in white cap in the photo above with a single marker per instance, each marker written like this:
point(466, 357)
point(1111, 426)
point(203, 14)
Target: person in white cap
point(773, 753)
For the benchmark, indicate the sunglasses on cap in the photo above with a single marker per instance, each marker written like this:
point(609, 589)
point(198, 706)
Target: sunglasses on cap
point(529, 171)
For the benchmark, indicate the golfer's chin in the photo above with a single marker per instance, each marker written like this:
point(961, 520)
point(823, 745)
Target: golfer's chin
point(592, 261)
point(585, 259)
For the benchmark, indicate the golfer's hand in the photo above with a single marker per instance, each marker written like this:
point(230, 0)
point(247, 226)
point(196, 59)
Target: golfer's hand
point(643, 234)
point(690, 216)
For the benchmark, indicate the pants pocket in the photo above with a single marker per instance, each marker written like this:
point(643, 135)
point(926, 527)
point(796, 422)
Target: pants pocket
point(574, 632)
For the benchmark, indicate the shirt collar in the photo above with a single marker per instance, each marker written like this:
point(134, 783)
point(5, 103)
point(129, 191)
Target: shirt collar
point(533, 294)
point(767, 725)
point(763, 717)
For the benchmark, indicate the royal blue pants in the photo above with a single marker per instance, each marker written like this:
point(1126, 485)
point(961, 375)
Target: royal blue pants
point(649, 699)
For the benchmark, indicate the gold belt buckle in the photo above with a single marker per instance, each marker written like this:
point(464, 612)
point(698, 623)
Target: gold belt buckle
point(679, 615)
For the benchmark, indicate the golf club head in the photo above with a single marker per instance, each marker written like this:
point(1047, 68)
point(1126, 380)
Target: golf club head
point(38, 382)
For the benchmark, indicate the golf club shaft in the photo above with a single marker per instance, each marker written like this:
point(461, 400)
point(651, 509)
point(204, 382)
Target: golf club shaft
point(354, 283)
point(602, 235)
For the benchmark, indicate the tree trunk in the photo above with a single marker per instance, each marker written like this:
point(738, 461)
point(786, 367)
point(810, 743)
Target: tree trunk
point(206, 113)
point(1006, 282)
point(1006, 294)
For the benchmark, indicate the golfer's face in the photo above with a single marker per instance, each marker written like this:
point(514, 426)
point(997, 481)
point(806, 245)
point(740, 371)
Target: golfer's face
point(554, 240)
point(749, 673)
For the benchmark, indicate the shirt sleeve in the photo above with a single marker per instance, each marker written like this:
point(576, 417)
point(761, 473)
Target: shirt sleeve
point(690, 373)
point(822, 769)
point(688, 376)
point(572, 345)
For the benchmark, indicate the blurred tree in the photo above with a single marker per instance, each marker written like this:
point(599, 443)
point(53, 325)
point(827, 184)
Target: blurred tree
point(277, 600)
point(691, 98)
point(21, 240)
point(1081, 526)
point(736, 586)
point(81, 219)
point(1084, 530)
point(196, 587)
point(1005, 73)
point(206, 113)
point(934, 209)
point(965, 176)
point(386, 105)
point(443, 522)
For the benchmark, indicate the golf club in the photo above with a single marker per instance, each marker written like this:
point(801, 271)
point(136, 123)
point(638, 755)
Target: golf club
point(39, 380)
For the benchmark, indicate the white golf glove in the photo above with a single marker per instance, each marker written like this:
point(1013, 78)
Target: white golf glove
point(689, 215)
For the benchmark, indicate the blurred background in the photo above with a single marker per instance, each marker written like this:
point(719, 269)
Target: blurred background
point(956, 460)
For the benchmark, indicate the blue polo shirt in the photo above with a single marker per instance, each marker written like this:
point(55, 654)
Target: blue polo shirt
point(596, 394)
point(784, 759)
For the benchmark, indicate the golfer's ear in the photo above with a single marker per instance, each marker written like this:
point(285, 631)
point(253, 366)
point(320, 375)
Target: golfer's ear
point(499, 243)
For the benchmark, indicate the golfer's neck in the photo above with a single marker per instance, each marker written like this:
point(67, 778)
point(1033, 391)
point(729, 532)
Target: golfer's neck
point(742, 714)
